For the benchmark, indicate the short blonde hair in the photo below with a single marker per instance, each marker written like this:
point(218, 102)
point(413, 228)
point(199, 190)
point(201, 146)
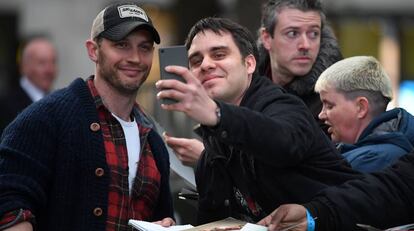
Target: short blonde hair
point(356, 73)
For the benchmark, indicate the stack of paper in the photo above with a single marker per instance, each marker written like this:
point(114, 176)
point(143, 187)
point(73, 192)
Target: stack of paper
point(148, 226)
point(225, 224)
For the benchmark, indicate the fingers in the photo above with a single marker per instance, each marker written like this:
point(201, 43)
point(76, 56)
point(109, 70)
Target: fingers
point(167, 222)
point(170, 89)
point(181, 71)
point(187, 150)
point(267, 221)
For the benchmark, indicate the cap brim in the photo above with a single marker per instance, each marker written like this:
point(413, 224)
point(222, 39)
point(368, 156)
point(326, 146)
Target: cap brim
point(120, 31)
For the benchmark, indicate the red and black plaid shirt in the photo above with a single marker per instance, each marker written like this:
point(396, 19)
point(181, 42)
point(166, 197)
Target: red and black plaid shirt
point(123, 205)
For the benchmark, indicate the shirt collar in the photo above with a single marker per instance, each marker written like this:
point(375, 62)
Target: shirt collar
point(32, 91)
point(137, 113)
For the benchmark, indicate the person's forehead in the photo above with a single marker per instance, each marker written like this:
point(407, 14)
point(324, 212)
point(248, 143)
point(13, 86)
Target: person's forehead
point(208, 39)
point(296, 16)
point(331, 93)
point(139, 33)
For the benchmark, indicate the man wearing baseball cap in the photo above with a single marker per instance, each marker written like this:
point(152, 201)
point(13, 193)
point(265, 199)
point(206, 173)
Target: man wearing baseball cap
point(87, 157)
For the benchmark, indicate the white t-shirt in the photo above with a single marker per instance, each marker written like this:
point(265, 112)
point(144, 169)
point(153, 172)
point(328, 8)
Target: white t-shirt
point(133, 143)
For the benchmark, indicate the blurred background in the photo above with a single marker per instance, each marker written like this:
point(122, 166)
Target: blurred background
point(381, 28)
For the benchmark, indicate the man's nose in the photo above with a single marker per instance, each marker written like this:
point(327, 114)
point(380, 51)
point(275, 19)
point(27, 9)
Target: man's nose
point(134, 56)
point(304, 42)
point(207, 63)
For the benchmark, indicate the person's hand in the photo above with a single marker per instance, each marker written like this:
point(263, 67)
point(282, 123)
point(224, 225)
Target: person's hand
point(22, 226)
point(188, 151)
point(192, 98)
point(285, 216)
point(166, 222)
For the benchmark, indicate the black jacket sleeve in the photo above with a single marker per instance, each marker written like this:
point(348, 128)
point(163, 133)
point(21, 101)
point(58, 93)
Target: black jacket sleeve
point(271, 124)
point(383, 200)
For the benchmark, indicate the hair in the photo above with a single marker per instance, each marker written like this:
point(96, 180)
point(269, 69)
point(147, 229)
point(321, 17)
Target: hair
point(242, 37)
point(272, 8)
point(359, 76)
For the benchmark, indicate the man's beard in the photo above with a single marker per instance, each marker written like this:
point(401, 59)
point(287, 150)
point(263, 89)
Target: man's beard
point(112, 78)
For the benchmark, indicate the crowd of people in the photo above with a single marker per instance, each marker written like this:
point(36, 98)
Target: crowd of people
point(289, 130)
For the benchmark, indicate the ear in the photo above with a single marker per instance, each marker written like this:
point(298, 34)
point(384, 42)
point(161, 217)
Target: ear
point(266, 38)
point(92, 49)
point(250, 62)
point(363, 109)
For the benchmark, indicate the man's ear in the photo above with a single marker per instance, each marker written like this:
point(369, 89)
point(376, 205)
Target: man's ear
point(92, 49)
point(266, 38)
point(362, 104)
point(250, 62)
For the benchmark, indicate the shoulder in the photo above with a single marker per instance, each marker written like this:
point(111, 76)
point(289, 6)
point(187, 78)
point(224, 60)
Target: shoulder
point(62, 103)
point(373, 157)
point(262, 87)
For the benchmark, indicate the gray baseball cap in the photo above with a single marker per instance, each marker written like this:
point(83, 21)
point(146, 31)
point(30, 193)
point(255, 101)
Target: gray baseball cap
point(116, 21)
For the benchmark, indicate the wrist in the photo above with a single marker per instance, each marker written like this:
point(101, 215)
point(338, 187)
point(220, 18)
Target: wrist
point(311, 222)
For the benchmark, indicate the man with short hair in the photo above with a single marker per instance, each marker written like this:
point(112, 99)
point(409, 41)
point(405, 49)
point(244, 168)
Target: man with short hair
point(39, 70)
point(355, 93)
point(296, 45)
point(262, 146)
point(87, 157)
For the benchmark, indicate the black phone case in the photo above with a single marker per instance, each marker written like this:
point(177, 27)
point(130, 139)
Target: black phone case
point(172, 55)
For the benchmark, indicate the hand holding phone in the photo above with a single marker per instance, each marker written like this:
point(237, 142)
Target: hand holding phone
point(172, 55)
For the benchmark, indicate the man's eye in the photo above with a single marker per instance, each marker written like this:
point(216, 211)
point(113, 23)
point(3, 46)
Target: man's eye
point(219, 55)
point(145, 48)
point(195, 62)
point(314, 34)
point(121, 45)
point(292, 34)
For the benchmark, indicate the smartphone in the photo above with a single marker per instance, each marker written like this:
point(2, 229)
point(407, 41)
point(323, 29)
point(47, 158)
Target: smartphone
point(172, 55)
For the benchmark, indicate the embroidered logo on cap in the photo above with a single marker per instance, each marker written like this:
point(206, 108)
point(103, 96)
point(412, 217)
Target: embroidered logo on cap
point(132, 11)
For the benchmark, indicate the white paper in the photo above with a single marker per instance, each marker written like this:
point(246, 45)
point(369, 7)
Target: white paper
point(186, 172)
point(149, 226)
point(253, 227)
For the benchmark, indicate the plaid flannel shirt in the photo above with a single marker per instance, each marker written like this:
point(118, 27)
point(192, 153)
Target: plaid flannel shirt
point(123, 205)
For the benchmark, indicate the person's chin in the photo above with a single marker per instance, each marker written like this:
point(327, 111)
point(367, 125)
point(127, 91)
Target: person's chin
point(300, 70)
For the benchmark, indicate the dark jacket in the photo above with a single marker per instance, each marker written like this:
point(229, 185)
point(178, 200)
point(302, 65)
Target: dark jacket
point(303, 86)
point(269, 147)
point(383, 200)
point(12, 104)
point(389, 136)
point(48, 159)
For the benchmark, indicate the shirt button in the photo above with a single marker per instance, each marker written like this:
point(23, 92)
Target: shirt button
point(99, 172)
point(223, 134)
point(95, 127)
point(97, 212)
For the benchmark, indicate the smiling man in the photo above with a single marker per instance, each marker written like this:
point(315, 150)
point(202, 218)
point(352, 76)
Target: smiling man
point(262, 146)
point(86, 157)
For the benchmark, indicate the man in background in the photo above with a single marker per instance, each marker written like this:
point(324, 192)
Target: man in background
point(296, 45)
point(39, 70)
